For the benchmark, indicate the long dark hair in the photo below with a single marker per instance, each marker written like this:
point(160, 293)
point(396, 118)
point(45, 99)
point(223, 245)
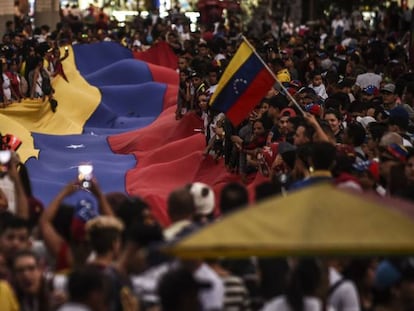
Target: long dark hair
point(304, 281)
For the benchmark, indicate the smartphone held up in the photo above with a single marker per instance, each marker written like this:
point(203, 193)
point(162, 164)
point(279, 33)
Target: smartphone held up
point(85, 175)
point(5, 159)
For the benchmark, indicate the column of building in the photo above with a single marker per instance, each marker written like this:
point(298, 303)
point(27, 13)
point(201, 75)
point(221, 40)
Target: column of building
point(6, 13)
point(47, 12)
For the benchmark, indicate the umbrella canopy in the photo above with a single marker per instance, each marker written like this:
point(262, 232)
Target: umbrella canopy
point(318, 220)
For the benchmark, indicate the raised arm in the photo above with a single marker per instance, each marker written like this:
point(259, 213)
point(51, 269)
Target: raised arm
point(52, 239)
point(320, 134)
point(22, 205)
point(33, 81)
point(65, 55)
point(104, 206)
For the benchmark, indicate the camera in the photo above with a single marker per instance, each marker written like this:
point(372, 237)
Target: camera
point(85, 175)
point(9, 142)
point(66, 49)
point(5, 158)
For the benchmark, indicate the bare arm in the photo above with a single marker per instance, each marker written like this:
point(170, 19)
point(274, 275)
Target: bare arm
point(14, 94)
point(104, 206)
point(64, 56)
point(22, 205)
point(52, 239)
point(320, 134)
point(33, 83)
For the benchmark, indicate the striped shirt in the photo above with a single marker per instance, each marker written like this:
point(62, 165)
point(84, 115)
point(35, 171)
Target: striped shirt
point(236, 296)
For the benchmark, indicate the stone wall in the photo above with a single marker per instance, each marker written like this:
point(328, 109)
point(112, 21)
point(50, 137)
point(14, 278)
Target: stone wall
point(46, 12)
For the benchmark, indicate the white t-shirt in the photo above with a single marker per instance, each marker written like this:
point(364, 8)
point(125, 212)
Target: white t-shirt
point(345, 296)
point(280, 304)
point(7, 186)
point(319, 90)
point(145, 285)
point(369, 78)
point(6, 87)
point(212, 298)
point(337, 23)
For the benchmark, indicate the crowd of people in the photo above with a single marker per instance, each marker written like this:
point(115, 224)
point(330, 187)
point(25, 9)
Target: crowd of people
point(342, 111)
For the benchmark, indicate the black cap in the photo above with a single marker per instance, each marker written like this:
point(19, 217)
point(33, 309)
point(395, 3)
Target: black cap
point(177, 283)
point(195, 74)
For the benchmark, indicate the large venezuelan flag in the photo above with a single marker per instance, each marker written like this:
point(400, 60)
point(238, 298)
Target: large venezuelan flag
point(243, 84)
point(118, 113)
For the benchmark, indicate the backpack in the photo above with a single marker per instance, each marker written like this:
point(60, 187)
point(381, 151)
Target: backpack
point(46, 86)
point(117, 286)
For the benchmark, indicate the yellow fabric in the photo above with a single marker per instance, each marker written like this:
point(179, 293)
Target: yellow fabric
point(318, 220)
point(26, 150)
point(8, 300)
point(242, 55)
point(283, 76)
point(77, 101)
point(22, 68)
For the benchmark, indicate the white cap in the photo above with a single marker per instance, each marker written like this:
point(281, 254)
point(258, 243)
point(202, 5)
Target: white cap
point(203, 198)
point(365, 120)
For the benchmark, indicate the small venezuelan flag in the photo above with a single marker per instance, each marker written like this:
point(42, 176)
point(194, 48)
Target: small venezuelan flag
point(243, 84)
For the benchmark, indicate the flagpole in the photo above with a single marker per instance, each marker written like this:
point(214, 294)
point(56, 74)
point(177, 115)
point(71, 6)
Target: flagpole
point(274, 76)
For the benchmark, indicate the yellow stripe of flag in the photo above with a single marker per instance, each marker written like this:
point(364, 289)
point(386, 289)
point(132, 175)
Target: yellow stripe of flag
point(242, 55)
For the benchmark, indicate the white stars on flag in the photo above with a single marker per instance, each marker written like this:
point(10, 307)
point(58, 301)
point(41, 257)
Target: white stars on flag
point(75, 146)
point(237, 84)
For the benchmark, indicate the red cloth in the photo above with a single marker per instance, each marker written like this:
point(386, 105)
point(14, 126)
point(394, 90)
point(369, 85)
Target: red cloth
point(59, 70)
point(62, 262)
point(169, 155)
point(159, 54)
point(14, 82)
point(251, 188)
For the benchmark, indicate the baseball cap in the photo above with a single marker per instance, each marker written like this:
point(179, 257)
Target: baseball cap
point(370, 90)
point(368, 166)
point(195, 74)
point(396, 152)
point(314, 109)
point(399, 116)
point(296, 84)
point(388, 88)
point(204, 198)
point(288, 112)
point(365, 120)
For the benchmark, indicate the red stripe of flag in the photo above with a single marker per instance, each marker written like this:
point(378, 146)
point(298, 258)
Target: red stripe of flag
point(251, 97)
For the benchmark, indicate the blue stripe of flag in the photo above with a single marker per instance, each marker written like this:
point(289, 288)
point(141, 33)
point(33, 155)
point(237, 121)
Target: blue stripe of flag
point(238, 83)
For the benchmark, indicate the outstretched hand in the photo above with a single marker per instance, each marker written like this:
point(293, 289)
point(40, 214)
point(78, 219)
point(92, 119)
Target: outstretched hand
point(70, 188)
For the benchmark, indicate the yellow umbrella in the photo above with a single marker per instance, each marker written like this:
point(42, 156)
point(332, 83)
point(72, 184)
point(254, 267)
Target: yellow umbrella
point(318, 220)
